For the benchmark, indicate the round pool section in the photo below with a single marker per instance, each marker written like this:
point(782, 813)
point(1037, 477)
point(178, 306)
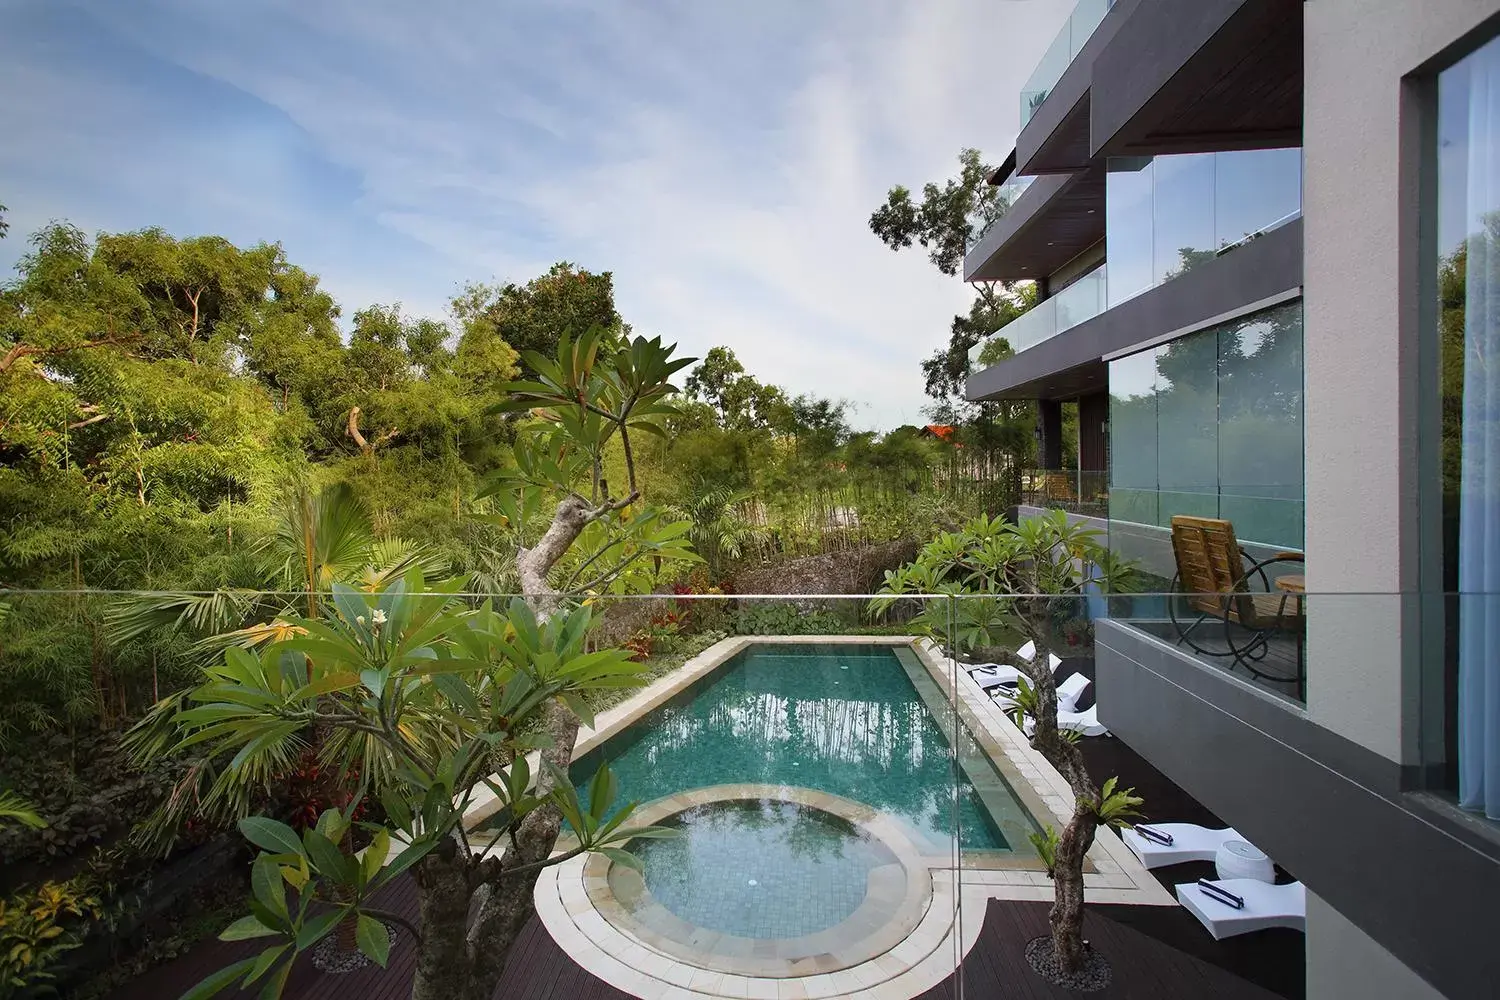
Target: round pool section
point(744, 867)
point(765, 880)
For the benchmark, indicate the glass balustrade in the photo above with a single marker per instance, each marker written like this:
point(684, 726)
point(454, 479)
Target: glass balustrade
point(1082, 300)
point(1061, 53)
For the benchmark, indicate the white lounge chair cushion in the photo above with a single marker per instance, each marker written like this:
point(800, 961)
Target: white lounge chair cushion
point(1086, 722)
point(991, 675)
point(1266, 906)
point(1068, 693)
point(1190, 842)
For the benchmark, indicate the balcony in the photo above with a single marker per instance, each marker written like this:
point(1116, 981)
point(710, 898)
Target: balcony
point(1008, 193)
point(1061, 53)
point(1167, 215)
point(1082, 300)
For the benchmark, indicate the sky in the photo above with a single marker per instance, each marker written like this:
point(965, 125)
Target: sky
point(721, 158)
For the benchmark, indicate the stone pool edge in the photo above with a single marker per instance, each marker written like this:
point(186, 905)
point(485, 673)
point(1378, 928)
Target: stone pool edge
point(926, 956)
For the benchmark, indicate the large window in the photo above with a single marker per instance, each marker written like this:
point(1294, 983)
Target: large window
point(1468, 342)
point(1209, 425)
point(1168, 214)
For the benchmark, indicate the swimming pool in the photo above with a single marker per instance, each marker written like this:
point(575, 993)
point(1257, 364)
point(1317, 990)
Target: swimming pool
point(847, 719)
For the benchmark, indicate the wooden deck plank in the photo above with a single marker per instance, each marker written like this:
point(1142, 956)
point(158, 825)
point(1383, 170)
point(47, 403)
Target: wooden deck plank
point(1145, 966)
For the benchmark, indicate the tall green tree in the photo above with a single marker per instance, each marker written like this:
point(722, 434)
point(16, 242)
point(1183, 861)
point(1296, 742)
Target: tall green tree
point(534, 315)
point(741, 401)
point(950, 219)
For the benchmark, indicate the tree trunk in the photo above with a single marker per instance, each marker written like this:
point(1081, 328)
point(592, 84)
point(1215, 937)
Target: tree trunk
point(1066, 917)
point(443, 893)
point(1077, 837)
point(510, 901)
point(473, 913)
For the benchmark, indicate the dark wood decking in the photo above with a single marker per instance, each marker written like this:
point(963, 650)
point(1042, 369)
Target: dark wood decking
point(1143, 968)
point(1140, 943)
point(1278, 671)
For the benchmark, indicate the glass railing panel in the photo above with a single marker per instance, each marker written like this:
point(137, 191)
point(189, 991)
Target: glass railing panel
point(1183, 218)
point(1078, 491)
point(1255, 191)
point(1129, 226)
point(1060, 54)
point(1167, 215)
point(1005, 200)
point(1082, 300)
point(1027, 330)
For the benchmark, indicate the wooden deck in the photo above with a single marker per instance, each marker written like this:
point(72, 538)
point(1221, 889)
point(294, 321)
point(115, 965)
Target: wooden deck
point(1135, 941)
point(1278, 671)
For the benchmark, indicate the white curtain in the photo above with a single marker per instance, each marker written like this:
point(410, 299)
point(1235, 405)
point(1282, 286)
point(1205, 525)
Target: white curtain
point(1479, 501)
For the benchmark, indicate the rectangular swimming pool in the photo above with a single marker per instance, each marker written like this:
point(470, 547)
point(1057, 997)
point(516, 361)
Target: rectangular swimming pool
point(847, 719)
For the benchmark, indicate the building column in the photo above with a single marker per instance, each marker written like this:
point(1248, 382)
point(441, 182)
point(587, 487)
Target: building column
point(1049, 434)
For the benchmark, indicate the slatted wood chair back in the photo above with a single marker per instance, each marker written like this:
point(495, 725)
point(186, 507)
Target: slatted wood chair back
point(1209, 562)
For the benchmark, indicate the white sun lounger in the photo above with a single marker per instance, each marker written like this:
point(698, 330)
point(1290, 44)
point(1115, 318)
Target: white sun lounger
point(1266, 906)
point(1068, 693)
point(993, 675)
point(1028, 653)
point(1085, 723)
point(1190, 842)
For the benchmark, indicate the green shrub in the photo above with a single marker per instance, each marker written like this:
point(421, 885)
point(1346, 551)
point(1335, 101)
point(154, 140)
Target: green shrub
point(776, 618)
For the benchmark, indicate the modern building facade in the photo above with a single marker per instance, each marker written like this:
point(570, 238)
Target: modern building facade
point(1266, 236)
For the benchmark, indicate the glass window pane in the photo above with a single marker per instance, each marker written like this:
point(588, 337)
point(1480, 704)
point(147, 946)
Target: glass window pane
point(1255, 190)
point(1127, 226)
point(1460, 726)
point(1187, 433)
point(1183, 213)
point(1260, 427)
point(1132, 438)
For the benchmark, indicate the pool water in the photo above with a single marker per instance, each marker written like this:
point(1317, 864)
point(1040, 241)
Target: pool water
point(744, 868)
point(843, 719)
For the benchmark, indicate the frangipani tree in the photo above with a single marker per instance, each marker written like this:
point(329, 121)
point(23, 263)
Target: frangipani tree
point(598, 389)
point(1006, 580)
point(452, 698)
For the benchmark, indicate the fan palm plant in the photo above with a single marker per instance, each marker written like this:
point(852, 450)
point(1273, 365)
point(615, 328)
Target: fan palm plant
point(321, 539)
point(720, 533)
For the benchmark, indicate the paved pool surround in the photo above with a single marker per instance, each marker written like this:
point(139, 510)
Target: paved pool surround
point(908, 934)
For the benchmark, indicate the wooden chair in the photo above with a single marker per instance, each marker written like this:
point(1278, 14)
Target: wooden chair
point(1216, 580)
point(1060, 487)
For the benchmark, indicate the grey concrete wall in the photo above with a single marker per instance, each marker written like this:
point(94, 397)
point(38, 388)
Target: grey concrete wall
point(1360, 263)
point(1349, 963)
point(1418, 878)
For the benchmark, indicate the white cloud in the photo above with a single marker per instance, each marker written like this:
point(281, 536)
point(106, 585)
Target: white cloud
point(721, 159)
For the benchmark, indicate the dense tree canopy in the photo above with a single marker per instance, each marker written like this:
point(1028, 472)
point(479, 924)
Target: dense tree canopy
point(531, 317)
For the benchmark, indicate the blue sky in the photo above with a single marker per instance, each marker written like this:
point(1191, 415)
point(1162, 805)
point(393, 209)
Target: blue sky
point(721, 158)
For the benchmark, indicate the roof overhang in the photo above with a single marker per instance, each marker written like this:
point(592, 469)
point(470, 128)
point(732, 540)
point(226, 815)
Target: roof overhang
point(1054, 220)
